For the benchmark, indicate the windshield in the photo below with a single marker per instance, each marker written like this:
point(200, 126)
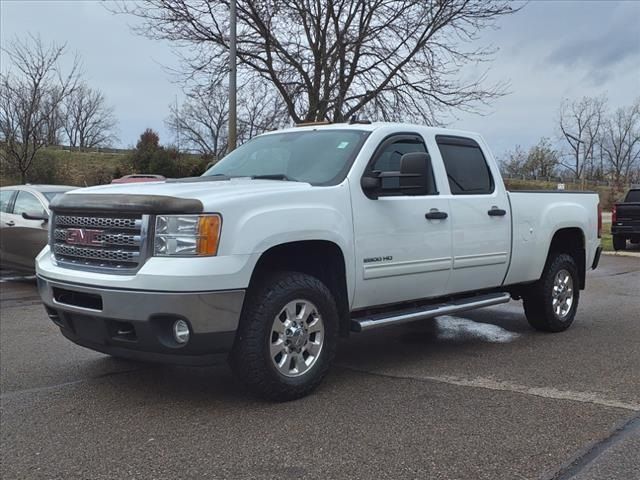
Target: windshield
point(51, 195)
point(319, 157)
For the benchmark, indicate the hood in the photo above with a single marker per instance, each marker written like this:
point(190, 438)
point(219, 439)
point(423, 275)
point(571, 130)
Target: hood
point(179, 196)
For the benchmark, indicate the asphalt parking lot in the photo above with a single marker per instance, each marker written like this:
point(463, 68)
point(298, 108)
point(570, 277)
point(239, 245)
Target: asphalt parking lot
point(479, 397)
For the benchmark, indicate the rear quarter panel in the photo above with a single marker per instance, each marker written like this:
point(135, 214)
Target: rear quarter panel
point(536, 217)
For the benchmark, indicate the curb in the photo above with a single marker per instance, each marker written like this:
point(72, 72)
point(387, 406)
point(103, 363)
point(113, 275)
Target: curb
point(622, 254)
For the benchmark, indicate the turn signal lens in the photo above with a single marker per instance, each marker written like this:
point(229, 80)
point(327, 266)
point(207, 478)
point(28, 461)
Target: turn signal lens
point(208, 235)
point(614, 215)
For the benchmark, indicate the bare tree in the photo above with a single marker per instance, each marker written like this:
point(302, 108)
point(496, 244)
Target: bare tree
point(53, 123)
point(514, 162)
point(201, 122)
point(29, 97)
point(259, 111)
point(621, 141)
point(88, 121)
point(580, 124)
point(330, 60)
point(542, 159)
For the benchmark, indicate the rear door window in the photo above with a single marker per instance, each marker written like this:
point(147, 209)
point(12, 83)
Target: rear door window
point(467, 169)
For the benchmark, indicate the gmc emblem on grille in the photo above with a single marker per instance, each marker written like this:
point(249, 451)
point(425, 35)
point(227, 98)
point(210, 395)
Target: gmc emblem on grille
point(83, 236)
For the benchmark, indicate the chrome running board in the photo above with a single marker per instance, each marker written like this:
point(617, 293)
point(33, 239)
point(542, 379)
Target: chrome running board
point(427, 311)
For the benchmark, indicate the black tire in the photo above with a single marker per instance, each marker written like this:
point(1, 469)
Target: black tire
point(539, 299)
point(619, 242)
point(250, 357)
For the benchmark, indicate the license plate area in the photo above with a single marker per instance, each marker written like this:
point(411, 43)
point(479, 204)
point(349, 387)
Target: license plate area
point(72, 298)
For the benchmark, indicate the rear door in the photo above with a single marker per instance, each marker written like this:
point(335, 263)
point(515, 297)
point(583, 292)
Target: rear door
point(400, 254)
point(23, 239)
point(480, 216)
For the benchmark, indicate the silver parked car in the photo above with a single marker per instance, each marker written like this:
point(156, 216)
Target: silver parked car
point(24, 215)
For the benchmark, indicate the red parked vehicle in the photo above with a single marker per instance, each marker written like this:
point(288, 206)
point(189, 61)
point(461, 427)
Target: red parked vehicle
point(139, 178)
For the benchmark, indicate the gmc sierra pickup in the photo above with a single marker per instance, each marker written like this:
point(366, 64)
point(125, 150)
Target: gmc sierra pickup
point(304, 235)
point(625, 220)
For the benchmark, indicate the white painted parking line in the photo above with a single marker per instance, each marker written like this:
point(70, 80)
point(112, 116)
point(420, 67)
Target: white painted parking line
point(506, 386)
point(17, 278)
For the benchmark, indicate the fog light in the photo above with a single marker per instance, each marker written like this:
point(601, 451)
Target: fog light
point(181, 331)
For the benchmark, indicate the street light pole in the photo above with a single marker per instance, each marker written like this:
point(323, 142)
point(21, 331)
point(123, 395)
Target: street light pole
point(232, 78)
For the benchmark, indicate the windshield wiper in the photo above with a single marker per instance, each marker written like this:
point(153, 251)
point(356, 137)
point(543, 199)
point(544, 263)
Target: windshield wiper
point(274, 176)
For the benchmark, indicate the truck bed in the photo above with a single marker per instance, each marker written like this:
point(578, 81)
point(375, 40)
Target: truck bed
point(536, 215)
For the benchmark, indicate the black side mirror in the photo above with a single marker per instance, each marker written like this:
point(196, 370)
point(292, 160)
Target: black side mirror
point(371, 186)
point(414, 171)
point(414, 176)
point(43, 216)
point(414, 162)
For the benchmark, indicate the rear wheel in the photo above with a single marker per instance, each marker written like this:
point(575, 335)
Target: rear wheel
point(551, 303)
point(287, 336)
point(619, 242)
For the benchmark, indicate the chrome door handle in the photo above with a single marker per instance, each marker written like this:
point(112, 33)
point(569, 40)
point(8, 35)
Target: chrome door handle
point(10, 223)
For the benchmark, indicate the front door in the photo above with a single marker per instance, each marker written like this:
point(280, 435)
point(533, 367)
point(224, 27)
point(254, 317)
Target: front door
point(400, 254)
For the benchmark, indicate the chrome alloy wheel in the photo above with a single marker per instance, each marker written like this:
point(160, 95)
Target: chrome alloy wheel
point(297, 335)
point(562, 294)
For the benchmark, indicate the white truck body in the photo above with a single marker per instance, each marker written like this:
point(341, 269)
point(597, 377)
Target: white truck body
point(392, 254)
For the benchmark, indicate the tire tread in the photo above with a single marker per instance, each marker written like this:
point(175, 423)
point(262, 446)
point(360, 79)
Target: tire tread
point(537, 306)
point(247, 357)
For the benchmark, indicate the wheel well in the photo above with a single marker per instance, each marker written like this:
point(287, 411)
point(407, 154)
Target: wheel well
point(570, 241)
point(319, 258)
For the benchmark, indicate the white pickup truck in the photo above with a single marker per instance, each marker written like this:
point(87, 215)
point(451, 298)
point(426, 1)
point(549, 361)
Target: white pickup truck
point(304, 235)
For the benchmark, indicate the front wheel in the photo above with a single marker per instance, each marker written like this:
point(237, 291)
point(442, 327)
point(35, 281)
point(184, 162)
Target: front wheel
point(287, 336)
point(551, 303)
point(619, 242)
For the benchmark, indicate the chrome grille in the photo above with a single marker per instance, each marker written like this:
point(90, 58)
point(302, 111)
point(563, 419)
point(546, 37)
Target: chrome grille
point(99, 242)
point(96, 254)
point(128, 239)
point(98, 222)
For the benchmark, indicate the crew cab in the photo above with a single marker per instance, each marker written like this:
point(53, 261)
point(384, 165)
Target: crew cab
point(625, 220)
point(304, 235)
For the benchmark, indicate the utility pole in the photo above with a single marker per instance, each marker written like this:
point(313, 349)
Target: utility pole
point(232, 78)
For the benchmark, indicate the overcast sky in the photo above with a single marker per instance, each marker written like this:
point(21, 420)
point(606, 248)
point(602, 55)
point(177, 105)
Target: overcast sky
point(548, 51)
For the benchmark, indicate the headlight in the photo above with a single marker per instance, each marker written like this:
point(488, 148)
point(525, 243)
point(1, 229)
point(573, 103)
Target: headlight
point(188, 235)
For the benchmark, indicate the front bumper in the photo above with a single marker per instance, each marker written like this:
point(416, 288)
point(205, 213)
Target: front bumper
point(137, 324)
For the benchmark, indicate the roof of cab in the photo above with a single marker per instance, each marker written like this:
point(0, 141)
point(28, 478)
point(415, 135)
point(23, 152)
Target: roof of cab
point(370, 127)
